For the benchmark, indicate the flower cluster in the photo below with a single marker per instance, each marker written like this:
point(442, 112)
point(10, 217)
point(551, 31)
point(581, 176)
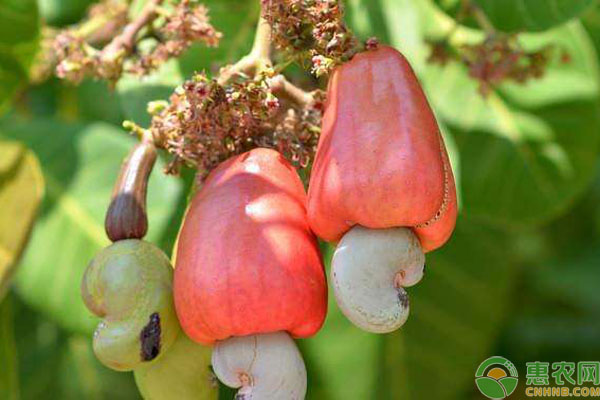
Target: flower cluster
point(497, 59)
point(501, 58)
point(311, 29)
point(75, 55)
point(206, 122)
point(186, 23)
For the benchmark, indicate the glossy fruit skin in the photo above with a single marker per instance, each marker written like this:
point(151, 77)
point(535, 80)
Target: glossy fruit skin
point(247, 262)
point(381, 160)
point(182, 373)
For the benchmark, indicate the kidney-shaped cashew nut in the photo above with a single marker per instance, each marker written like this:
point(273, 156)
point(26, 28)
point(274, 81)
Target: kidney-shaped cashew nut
point(369, 271)
point(265, 366)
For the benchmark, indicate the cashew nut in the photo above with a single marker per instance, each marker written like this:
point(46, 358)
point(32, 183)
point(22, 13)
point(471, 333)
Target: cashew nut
point(265, 366)
point(369, 271)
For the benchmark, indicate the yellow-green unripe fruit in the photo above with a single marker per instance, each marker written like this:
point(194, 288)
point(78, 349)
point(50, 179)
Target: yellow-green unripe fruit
point(129, 285)
point(183, 373)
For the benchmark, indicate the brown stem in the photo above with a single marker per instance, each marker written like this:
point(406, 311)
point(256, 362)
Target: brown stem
point(281, 86)
point(126, 217)
point(126, 40)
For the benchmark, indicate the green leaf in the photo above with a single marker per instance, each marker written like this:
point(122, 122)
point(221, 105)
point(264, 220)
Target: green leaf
point(80, 165)
point(19, 32)
point(9, 373)
point(19, 28)
point(63, 12)
point(12, 77)
point(56, 365)
point(531, 15)
point(591, 21)
point(134, 92)
point(520, 15)
point(456, 311)
point(237, 20)
point(97, 102)
point(21, 190)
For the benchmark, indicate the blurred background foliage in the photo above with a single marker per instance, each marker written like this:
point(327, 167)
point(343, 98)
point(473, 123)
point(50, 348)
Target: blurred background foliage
point(518, 279)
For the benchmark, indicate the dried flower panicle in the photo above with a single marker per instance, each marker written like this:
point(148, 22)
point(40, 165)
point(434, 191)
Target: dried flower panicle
point(77, 59)
point(497, 59)
point(501, 58)
point(441, 52)
point(188, 23)
point(206, 122)
point(313, 30)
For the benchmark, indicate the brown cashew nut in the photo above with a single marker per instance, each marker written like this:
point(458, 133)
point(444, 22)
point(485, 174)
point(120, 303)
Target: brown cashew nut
point(126, 217)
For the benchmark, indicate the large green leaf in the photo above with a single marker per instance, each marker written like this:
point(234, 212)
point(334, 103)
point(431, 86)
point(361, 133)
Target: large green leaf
point(531, 15)
point(19, 30)
point(21, 189)
point(80, 166)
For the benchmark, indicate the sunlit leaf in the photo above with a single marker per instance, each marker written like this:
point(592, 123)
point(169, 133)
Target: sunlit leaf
point(21, 188)
point(80, 165)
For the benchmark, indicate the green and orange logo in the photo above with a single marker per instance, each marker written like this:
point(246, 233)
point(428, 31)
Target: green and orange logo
point(496, 378)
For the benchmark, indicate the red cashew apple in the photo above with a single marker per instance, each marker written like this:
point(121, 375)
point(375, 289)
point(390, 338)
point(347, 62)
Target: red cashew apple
point(249, 274)
point(381, 185)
